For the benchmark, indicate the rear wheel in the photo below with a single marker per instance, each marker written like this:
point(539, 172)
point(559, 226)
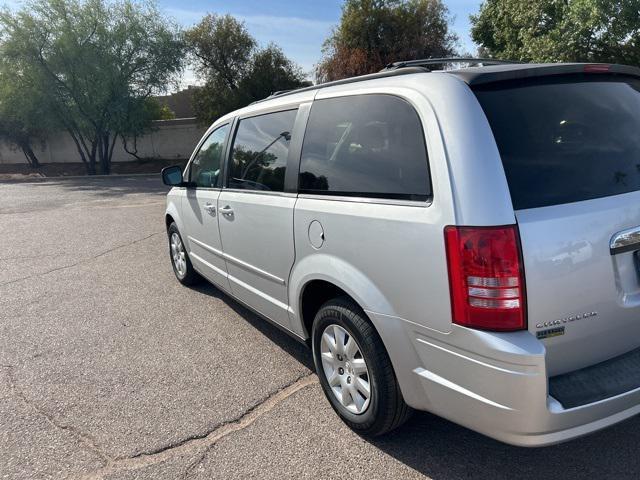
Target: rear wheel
point(355, 370)
point(180, 261)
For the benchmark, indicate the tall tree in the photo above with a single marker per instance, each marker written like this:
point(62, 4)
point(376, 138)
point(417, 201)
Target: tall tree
point(235, 71)
point(374, 33)
point(25, 119)
point(91, 59)
point(560, 30)
point(222, 47)
point(137, 119)
point(269, 71)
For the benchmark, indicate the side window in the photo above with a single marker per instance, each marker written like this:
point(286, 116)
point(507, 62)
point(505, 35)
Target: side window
point(260, 150)
point(205, 167)
point(365, 146)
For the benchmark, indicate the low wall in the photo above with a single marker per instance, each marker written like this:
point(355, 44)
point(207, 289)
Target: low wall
point(170, 139)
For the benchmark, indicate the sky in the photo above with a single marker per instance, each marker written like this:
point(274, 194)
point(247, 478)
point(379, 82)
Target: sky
point(299, 27)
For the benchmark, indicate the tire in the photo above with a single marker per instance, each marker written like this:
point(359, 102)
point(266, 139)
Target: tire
point(183, 269)
point(386, 409)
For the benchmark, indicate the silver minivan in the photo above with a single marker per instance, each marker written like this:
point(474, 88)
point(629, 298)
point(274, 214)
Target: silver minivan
point(462, 241)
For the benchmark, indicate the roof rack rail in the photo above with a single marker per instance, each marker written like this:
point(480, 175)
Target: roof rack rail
point(393, 69)
point(361, 78)
point(280, 92)
point(440, 61)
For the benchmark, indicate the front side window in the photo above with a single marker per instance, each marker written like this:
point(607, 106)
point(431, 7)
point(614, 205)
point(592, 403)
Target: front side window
point(365, 146)
point(260, 150)
point(205, 167)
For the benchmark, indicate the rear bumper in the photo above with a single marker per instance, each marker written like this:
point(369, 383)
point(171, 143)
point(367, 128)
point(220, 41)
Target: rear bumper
point(495, 384)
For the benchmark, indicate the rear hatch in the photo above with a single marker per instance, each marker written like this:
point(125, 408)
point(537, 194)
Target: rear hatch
point(570, 147)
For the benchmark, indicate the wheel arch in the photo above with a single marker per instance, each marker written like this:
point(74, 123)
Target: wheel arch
point(314, 294)
point(168, 220)
point(172, 215)
point(319, 275)
point(319, 278)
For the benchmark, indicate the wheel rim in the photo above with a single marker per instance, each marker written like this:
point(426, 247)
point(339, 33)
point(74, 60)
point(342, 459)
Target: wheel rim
point(345, 369)
point(178, 255)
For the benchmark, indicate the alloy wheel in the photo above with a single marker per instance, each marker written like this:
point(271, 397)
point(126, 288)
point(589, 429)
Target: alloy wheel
point(178, 255)
point(345, 369)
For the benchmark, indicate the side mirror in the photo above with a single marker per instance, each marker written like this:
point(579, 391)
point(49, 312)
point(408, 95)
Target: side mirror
point(172, 176)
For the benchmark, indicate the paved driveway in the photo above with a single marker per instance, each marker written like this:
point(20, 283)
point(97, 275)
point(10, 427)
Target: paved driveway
point(110, 369)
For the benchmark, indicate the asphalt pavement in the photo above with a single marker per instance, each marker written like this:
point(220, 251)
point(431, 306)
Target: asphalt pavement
point(110, 369)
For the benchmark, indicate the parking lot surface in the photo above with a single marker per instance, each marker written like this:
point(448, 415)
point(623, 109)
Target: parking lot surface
point(111, 369)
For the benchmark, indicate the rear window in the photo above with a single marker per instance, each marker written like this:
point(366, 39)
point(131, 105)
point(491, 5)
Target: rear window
point(566, 139)
point(365, 146)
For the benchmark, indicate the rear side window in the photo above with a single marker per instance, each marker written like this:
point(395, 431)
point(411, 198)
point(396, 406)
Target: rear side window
point(260, 150)
point(566, 139)
point(365, 146)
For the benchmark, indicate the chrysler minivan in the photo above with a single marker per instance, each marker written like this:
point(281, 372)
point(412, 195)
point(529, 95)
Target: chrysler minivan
point(464, 241)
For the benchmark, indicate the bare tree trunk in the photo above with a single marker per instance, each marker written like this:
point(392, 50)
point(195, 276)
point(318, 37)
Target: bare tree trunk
point(111, 147)
point(125, 145)
point(92, 156)
point(30, 155)
point(90, 165)
point(88, 158)
point(103, 153)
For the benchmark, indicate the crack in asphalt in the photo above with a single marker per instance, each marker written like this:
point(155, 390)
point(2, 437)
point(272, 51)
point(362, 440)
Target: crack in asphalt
point(80, 262)
point(202, 444)
point(197, 444)
point(84, 439)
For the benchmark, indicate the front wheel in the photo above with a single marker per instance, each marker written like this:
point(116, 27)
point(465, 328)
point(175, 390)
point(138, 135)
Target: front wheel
point(180, 261)
point(355, 370)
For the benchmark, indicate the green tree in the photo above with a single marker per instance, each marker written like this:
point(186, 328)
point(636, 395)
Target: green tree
point(24, 119)
point(91, 60)
point(269, 71)
point(236, 72)
point(136, 120)
point(374, 33)
point(222, 47)
point(559, 30)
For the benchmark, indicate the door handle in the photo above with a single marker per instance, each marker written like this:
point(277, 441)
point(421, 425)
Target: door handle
point(210, 208)
point(227, 211)
point(625, 241)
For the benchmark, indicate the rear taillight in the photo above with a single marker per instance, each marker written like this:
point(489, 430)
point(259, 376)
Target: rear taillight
point(486, 277)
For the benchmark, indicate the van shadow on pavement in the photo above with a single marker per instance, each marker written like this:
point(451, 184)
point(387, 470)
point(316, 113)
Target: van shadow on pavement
point(443, 450)
point(279, 338)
